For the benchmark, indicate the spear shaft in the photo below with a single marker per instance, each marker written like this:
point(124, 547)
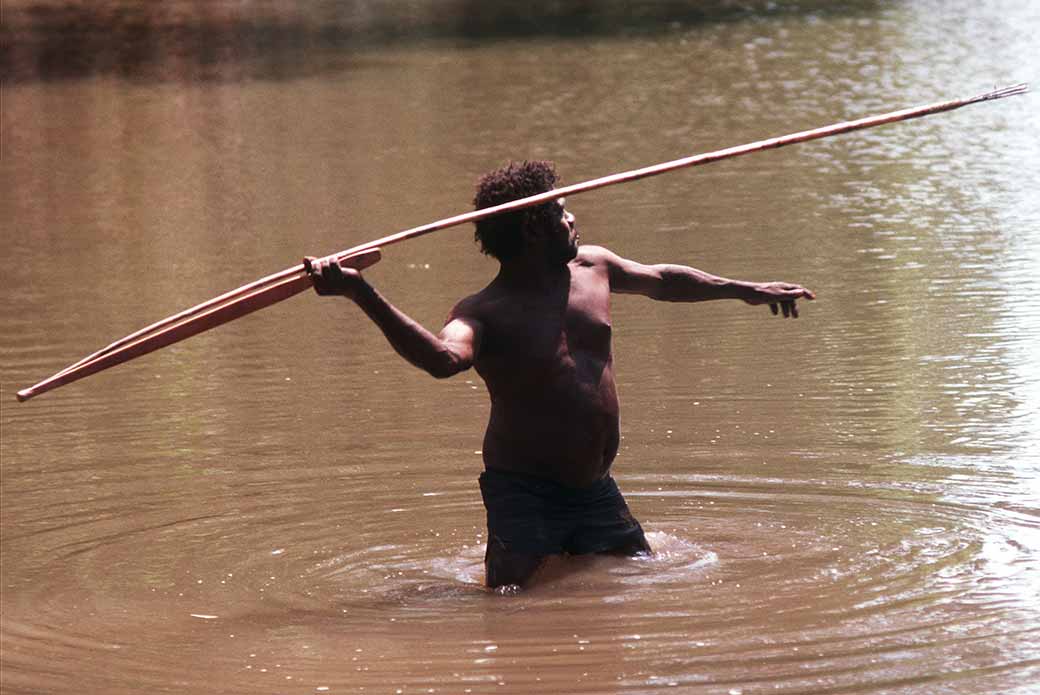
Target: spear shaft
point(291, 281)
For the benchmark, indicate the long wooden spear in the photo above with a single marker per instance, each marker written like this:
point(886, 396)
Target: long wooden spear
point(291, 281)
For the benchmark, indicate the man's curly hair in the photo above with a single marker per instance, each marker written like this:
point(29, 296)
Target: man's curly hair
point(502, 236)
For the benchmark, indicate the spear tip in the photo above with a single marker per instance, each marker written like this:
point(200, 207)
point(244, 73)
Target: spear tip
point(1002, 92)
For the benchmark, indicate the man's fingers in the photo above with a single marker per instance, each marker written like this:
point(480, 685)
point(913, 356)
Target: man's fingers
point(796, 291)
point(325, 278)
point(785, 298)
point(314, 272)
point(331, 272)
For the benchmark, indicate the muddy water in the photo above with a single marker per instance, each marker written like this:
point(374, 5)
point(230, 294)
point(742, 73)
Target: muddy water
point(846, 503)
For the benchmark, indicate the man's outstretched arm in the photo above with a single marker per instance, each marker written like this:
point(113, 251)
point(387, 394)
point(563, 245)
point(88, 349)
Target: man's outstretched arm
point(680, 283)
point(443, 355)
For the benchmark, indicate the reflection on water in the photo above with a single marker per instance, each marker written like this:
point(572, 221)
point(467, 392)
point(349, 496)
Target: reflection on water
point(846, 503)
point(231, 40)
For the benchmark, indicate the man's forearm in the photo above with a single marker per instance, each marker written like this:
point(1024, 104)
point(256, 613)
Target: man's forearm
point(681, 283)
point(408, 338)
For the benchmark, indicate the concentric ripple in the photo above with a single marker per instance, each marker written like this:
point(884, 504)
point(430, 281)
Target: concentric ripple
point(865, 588)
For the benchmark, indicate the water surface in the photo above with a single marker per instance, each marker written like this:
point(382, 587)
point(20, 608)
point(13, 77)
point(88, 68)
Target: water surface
point(847, 503)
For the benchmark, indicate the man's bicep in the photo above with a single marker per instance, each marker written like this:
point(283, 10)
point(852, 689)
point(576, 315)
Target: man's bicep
point(462, 335)
point(631, 277)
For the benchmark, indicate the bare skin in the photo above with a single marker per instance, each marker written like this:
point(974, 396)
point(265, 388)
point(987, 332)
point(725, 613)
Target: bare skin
point(540, 336)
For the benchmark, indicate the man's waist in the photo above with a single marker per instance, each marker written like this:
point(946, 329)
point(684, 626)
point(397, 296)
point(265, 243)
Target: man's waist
point(493, 478)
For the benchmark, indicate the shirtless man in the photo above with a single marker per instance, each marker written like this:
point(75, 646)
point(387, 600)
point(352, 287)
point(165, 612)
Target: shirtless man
point(540, 337)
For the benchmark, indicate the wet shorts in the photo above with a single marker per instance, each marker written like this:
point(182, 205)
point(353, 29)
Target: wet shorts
point(536, 516)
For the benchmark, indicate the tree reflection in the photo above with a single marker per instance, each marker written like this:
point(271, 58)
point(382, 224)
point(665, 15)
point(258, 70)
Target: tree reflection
point(225, 40)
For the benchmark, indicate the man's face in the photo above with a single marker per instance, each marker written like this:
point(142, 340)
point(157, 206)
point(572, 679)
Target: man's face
point(564, 241)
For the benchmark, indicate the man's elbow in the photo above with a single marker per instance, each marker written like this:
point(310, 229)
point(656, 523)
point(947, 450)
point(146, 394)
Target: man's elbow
point(448, 365)
point(441, 372)
point(666, 284)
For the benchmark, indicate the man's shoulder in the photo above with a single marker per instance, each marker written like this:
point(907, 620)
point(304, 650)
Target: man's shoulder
point(475, 305)
point(599, 259)
point(594, 256)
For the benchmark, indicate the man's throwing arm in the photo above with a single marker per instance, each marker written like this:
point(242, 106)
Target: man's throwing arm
point(441, 356)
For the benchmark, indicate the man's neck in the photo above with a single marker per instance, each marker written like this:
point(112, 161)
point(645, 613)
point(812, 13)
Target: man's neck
point(529, 273)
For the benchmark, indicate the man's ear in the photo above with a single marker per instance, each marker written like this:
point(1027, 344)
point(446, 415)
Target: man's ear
point(534, 233)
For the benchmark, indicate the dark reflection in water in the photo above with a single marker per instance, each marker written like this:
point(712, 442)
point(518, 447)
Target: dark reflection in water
point(223, 40)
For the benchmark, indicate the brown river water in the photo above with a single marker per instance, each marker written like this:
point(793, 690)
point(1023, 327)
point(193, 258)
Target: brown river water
point(846, 503)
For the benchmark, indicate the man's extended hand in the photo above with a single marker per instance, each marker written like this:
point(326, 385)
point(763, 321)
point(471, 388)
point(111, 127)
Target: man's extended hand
point(780, 296)
point(330, 278)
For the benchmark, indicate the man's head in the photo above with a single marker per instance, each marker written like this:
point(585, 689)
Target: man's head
point(505, 236)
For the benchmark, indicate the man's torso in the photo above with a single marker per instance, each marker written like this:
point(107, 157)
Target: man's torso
point(546, 358)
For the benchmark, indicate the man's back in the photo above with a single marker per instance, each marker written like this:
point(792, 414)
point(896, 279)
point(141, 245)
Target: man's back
point(546, 359)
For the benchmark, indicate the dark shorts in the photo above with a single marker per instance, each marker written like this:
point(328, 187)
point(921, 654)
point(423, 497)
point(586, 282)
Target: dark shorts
point(535, 516)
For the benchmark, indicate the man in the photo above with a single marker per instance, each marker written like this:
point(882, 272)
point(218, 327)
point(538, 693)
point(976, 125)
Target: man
point(540, 336)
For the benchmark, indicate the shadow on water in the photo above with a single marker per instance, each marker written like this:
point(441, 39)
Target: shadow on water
point(228, 41)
